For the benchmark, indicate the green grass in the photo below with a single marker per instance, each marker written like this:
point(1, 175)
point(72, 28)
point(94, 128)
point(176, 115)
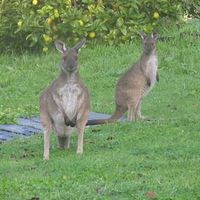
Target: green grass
point(121, 160)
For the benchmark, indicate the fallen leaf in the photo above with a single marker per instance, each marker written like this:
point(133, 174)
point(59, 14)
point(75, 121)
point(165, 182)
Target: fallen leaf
point(25, 155)
point(111, 195)
point(103, 146)
point(30, 150)
point(96, 130)
point(47, 172)
point(139, 175)
point(35, 198)
point(151, 194)
point(31, 168)
point(87, 140)
point(98, 189)
point(110, 138)
point(12, 156)
point(66, 176)
point(106, 104)
point(148, 167)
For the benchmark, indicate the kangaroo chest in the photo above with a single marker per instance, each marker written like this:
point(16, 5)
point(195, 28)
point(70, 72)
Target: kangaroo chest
point(151, 68)
point(70, 98)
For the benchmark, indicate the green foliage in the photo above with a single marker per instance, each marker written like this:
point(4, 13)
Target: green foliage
point(10, 115)
point(34, 24)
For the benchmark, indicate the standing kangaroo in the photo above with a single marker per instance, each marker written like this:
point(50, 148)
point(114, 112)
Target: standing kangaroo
point(135, 83)
point(66, 102)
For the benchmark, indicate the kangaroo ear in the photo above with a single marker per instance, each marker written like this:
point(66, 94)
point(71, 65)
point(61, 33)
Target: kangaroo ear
point(60, 45)
point(78, 46)
point(155, 34)
point(142, 34)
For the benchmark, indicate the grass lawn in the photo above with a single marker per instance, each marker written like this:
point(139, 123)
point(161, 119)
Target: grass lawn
point(157, 159)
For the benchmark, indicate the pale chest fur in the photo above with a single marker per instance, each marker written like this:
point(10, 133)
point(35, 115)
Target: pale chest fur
point(70, 97)
point(151, 69)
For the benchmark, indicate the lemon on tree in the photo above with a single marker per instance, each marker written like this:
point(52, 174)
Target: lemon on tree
point(55, 37)
point(45, 49)
point(81, 22)
point(92, 34)
point(35, 2)
point(123, 37)
point(19, 23)
point(54, 27)
point(56, 15)
point(46, 38)
point(49, 20)
point(155, 15)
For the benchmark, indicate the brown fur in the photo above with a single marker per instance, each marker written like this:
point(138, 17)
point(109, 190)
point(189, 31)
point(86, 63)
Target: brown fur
point(65, 103)
point(135, 83)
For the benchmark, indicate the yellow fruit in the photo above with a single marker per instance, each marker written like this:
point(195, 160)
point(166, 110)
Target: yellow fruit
point(56, 15)
point(123, 37)
point(81, 22)
point(45, 49)
point(154, 23)
point(35, 2)
point(155, 15)
point(92, 34)
point(49, 20)
point(56, 11)
point(19, 23)
point(55, 37)
point(32, 12)
point(54, 27)
point(76, 39)
point(116, 6)
point(100, 2)
point(47, 39)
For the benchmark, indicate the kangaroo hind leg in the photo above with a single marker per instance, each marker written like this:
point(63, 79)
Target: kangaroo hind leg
point(64, 142)
point(138, 112)
point(132, 112)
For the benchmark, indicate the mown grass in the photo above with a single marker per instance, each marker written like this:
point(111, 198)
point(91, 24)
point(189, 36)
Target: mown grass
point(121, 160)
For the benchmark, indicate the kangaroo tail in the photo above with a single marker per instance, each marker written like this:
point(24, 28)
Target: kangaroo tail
point(119, 112)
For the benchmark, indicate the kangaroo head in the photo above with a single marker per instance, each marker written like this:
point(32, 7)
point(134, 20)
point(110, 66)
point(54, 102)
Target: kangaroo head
point(69, 62)
point(149, 42)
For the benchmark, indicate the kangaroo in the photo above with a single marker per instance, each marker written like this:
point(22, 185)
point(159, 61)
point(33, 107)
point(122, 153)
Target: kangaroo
point(65, 103)
point(135, 83)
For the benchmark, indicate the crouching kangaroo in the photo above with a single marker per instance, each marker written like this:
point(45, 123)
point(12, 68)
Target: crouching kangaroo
point(135, 83)
point(65, 103)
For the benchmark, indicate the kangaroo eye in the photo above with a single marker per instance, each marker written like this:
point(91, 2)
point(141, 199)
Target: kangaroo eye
point(75, 58)
point(152, 44)
point(64, 58)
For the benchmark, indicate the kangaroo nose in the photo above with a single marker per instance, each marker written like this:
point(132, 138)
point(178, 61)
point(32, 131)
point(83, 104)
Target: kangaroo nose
point(70, 63)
